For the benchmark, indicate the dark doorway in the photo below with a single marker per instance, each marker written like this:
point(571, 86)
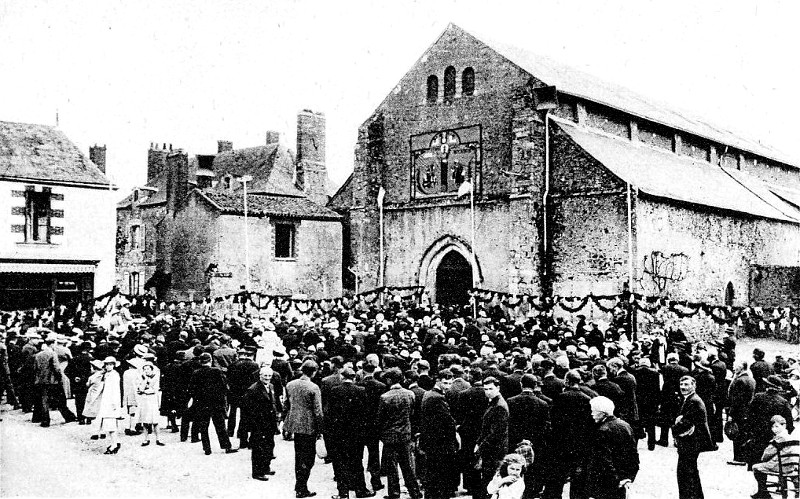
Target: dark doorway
point(453, 280)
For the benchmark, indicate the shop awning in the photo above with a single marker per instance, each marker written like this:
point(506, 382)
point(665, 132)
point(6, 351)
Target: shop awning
point(40, 267)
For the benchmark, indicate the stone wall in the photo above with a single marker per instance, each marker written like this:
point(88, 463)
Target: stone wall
point(687, 254)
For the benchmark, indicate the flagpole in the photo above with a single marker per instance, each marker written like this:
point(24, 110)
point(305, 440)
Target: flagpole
point(474, 261)
point(381, 269)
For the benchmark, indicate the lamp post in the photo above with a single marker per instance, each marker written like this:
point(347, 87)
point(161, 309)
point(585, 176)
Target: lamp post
point(244, 179)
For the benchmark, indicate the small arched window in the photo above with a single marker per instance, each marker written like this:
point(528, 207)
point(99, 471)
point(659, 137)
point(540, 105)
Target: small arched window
point(468, 82)
point(433, 89)
point(449, 84)
point(729, 294)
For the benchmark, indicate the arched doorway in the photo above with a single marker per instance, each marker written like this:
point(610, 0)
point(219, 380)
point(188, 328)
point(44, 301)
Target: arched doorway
point(453, 279)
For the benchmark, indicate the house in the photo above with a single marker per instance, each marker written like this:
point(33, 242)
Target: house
point(57, 214)
point(186, 235)
point(578, 186)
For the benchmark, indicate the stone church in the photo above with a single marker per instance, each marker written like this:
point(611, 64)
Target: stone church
point(584, 187)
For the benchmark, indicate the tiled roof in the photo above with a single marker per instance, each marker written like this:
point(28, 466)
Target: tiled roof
point(271, 167)
point(681, 178)
point(343, 198)
point(42, 152)
point(577, 83)
point(147, 197)
point(268, 205)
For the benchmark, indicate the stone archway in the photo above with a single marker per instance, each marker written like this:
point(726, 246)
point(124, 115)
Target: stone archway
point(453, 279)
point(459, 266)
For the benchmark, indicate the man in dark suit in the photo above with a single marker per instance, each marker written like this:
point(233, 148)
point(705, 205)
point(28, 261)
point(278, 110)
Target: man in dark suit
point(693, 437)
point(529, 419)
point(304, 419)
point(374, 390)
point(628, 410)
point(511, 384)
point(260, 408)
point(394, 420)
point(720, 372)
point(437, 440)
point(551, 385)
point(492, 444)
point(670, 395)
point(571, 419)
point(740, 393)
point(613, 459)
point(468, 411)
point(759, 414)
point(648, 395)
point(79, 371)
point(241, 376)
point(208, 389)
point(760, 369)
point(605, 387)
point(344, 429)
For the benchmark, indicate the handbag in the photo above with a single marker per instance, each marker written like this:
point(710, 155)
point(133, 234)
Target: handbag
point(322, 451)
point(731, 429)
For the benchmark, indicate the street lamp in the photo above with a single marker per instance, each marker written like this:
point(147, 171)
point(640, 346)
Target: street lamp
point(244, 179)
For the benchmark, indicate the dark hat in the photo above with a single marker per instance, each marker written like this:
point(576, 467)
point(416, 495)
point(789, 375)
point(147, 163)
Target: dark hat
point(205, 358)
point(247, 350)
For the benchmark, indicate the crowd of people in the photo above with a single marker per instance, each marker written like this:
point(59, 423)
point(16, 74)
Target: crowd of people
point(507, 409)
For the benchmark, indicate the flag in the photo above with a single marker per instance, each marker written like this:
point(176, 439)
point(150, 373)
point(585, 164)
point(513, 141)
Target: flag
point(381, 195)
point(465, 188)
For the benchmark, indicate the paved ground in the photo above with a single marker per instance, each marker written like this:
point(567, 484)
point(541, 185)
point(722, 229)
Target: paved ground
point(61, 461)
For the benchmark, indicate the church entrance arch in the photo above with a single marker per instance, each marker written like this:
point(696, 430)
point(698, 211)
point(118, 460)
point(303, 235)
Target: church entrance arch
point(446, 271)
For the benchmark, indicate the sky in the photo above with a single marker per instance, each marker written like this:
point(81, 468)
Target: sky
point(189, 73)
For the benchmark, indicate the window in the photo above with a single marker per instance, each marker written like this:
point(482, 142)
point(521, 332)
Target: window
point(730, 294)
point(133, 283)
point(136, 194)
point(134, 237)
point(468, 82)
point(433, 89)
point(37, 217)
point(284, 241)
point(449, 84)
point(226, 182)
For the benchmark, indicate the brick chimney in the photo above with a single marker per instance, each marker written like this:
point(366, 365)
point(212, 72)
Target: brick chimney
point(311, 175)
point(177, 166)
point(224, 145)
point(98, 156)
point(156, 160)
point(273, 137)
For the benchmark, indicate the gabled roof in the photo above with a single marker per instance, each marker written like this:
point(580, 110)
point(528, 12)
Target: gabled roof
point(271, 167)
point(579, 84)
point(41, 152)
point(343, 197)
point(667, 175)
point(147, 197)
point(267, 205)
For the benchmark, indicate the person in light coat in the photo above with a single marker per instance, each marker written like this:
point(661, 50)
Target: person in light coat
point(110, 410)
point(147, 402)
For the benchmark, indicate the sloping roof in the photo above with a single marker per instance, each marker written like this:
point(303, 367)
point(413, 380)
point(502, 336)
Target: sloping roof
point(580, 84)
point(153, 198)
point(268, 205)
point(41, 152)
point(268, 165)
point(343, 198)
point(787, 194)
point(668, 175)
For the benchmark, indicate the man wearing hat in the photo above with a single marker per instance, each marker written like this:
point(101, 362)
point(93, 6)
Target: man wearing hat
point(740, 394)
point(670, 395)
point(304, 420)
point(761, 409)
point(241, 376)
point(260, 409)
point(208, 389)
point(529, 419)
point(47, 383)
point(78, 371)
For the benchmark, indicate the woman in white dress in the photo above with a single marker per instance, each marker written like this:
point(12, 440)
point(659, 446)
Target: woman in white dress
point(147, 391)
point(110, 409)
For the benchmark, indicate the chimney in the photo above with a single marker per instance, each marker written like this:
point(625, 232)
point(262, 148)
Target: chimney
point(311, 175)
point(156, 161)
point(98, 156)
point(177, 165)
point(273, 137)
point(224, 145)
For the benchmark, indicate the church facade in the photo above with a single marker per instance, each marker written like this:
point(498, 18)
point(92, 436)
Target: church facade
point(465, 176)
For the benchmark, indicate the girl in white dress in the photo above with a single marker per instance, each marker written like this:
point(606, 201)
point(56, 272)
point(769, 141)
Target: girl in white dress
point(147, 391)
